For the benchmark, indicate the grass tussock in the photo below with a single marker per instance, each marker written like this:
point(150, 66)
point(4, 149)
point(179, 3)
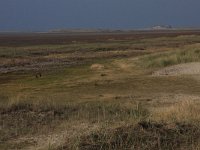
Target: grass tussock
point(170, 58)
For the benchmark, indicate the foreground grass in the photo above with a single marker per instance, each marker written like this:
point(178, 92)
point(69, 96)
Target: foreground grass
point(25, 119)
point(175, 127)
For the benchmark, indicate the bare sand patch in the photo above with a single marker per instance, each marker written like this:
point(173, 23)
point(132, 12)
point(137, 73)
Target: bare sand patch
point(181, 69)
point(97, 67)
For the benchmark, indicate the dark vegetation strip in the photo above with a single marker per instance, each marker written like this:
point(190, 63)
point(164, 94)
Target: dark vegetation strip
point(143, 136)
point(21, 39)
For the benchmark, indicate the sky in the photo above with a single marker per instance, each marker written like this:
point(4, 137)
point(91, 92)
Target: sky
point(44, 15)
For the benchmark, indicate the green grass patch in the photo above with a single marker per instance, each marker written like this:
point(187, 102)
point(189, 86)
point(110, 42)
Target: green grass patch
point(170, 58)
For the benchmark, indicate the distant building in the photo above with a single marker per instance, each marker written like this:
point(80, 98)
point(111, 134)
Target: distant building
point(162, 27)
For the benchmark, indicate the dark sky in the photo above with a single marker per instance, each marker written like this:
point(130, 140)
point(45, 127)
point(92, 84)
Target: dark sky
point(42, 15)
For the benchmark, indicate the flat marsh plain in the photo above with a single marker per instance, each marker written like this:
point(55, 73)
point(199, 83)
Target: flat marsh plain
point(93, 91)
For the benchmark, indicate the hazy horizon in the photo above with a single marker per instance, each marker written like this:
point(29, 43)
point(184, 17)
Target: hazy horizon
point(37, 15)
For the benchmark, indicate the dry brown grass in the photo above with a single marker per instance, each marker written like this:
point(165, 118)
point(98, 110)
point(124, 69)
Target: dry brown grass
point(184, 111)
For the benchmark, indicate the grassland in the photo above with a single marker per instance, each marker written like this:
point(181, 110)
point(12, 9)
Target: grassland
point(99, 94)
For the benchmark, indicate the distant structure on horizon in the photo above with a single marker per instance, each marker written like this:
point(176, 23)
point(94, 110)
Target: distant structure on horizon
point(162, 27)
